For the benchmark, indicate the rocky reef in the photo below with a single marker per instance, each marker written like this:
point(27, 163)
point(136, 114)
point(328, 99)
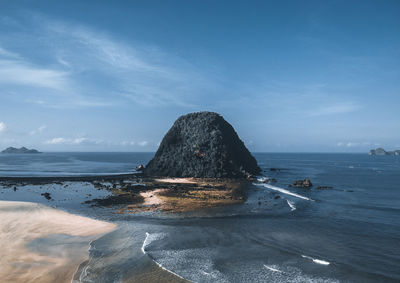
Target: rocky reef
point(202, 145)
point(306, 183)
point(22, 150)
point(381, 151)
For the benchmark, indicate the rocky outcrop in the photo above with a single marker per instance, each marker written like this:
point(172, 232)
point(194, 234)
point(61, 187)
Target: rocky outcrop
point(381, 151)
point(306, 183)
point(22, 150)
point(202, 145)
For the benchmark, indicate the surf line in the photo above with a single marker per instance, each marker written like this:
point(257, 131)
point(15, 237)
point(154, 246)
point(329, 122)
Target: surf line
point(272, 269)
point(159, 264)
point(83, 272)
point(319, 261)
point(291, 205)
point(283, 191)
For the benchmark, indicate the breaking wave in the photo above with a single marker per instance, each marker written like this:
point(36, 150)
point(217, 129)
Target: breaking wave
point(284, 191)
point(319, 261)
point(150, 238)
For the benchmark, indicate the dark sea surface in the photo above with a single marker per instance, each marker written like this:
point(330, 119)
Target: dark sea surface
point(349, 233)
point(71, 163)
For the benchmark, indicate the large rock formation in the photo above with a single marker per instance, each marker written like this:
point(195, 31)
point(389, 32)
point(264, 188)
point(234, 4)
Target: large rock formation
point(202, 145)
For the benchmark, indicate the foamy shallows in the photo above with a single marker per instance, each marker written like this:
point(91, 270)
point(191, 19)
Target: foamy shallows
point(284, 191)
point(319, 261)
point(147, 241)
point(272, 268)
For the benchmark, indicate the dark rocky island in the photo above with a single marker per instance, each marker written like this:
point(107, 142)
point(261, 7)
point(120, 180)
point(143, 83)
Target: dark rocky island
point(202, 145)
point(22, 150)
point(381, 151)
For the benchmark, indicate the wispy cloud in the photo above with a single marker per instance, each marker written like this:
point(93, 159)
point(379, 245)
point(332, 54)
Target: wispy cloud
point(73, 141)
point(357, 144)
point(2, 126)
point(337, 108)
point(85, 67)
point(91, 141)
point(18, 72)
point(143, 143)
point(38, 130)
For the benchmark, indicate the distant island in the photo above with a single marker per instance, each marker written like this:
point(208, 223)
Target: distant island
point(381, 151)
point(22, 150)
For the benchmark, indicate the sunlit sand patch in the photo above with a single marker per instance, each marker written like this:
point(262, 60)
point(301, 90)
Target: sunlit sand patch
point(54, 261)
point(177, 180)
point(152, 198)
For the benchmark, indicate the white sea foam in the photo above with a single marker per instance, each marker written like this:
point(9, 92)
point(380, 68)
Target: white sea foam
point(262, 179)
point(145, 243)
point(291, 204)
point(284, 191)
point(272, 268)
point(84, 272)
point(151, 237)
point(319, 261)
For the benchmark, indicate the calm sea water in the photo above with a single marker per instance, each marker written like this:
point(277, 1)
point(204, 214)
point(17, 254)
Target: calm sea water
point(350, 233)
point(71, 163)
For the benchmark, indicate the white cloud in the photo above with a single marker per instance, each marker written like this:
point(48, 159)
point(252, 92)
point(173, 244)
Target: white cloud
point(128, 143)
point(57, 141)
point(357, 144)
point(143, 143)
point(73, 141)
point(38, 130)
point(2, 126)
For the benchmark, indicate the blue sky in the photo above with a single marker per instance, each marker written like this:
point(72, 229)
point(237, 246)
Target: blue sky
point(290, 76)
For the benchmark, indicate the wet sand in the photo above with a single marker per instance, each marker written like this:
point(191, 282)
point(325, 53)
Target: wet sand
point(42, 244)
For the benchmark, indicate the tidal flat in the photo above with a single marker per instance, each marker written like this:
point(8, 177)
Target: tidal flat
point(45, 238)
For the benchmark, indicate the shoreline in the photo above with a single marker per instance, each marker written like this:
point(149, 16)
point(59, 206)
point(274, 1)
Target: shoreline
point(40, 243)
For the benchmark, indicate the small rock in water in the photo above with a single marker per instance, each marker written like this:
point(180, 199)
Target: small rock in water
point(269, 180)
point(306, 183)
point(277, 197)
point(47, 196)
point(324, 187)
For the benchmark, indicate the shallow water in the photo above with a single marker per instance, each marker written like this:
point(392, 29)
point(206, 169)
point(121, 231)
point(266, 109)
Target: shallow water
point(349, 233)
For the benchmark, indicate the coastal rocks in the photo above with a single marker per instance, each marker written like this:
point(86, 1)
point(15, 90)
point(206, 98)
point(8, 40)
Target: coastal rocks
point(306, 183)
point(202, 145)
point(22, 150)
point(47, 196)
point(266, 180)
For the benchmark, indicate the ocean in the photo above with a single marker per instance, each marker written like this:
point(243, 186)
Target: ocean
point(347, 233)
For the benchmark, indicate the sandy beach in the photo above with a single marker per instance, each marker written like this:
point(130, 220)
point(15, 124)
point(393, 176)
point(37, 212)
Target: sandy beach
point(42, 244)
